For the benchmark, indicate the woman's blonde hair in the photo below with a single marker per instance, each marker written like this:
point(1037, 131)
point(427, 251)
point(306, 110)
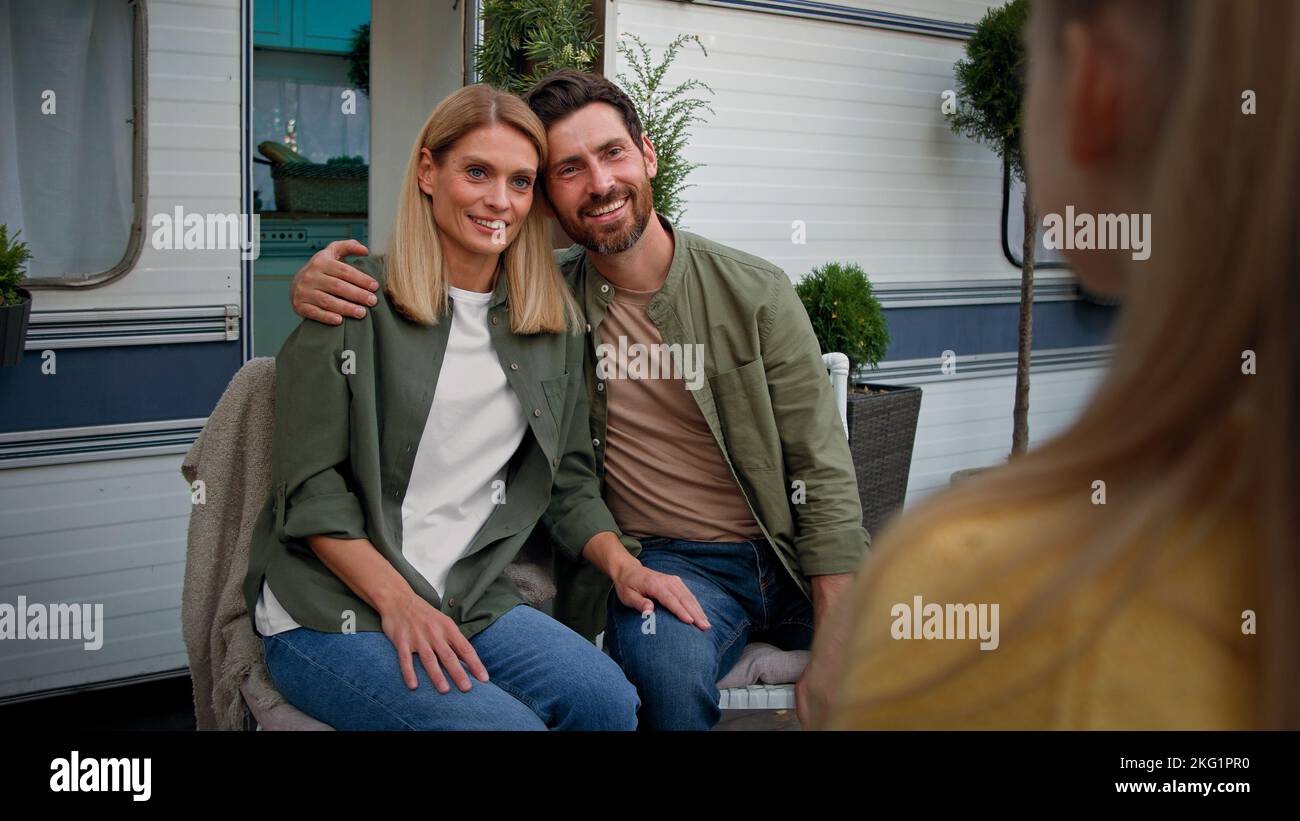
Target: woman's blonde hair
point(415, 272)
point(1222, 290)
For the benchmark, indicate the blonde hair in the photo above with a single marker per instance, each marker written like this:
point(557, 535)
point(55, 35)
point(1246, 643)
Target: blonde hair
point(1164, 429)
point(415, 274)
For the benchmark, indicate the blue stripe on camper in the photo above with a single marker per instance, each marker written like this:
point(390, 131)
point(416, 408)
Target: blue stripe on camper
point(103, 386)
point(920, 333)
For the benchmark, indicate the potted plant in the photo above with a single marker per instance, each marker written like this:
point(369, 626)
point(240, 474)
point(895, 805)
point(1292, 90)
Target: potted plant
point(847, 318)
point(15, 302)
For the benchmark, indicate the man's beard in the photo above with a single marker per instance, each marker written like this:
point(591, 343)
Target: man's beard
point(599, 241)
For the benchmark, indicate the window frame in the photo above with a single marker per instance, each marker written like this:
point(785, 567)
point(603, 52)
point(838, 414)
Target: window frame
point(1006, 242)
point(139, 165)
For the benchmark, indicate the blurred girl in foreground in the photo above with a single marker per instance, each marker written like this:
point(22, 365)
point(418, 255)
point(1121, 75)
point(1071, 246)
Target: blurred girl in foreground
point(1173, 604)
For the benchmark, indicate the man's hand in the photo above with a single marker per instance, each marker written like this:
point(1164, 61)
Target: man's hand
point(816, 687)
point(326, 289)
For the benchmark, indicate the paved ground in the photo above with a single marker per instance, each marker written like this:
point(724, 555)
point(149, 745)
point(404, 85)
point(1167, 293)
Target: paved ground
point(166, 705)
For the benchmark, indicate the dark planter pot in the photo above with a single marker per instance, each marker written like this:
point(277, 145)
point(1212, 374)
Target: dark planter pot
point(13, 329)
point(882, 430)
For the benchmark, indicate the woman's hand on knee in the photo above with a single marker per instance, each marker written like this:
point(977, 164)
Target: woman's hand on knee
point(416, 627)
point(638, 587)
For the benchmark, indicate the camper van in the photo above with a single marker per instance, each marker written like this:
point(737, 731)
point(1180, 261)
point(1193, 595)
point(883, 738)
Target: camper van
point(825, 142)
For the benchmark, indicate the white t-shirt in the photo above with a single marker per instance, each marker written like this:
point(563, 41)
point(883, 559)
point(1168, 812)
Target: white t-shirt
point(475, 425)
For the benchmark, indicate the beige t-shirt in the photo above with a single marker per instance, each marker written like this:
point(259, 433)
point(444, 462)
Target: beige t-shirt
point(664, 473)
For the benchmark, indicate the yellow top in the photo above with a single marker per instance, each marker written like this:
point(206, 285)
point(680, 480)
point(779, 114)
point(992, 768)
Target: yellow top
point(1174, 652)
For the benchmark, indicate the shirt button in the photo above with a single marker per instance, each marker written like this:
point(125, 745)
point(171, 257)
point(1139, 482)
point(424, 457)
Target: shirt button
point(588, 327)
point(557, 461)
point(600, 386)
point(537, 411)
point(451, 602)
point(494, 319)
point(595, 443)
point(604, 289)
point(514, 366)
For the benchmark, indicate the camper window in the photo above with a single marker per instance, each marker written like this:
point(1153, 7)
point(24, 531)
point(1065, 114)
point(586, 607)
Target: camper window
point(68, 144)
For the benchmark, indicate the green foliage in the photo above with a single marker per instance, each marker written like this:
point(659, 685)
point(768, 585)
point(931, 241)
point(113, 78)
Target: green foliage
point(524, 40)
point(359, 59)
point(845, 314)
point(666, 115)
point(991, 83)
point(13, 260)
point(355, 159)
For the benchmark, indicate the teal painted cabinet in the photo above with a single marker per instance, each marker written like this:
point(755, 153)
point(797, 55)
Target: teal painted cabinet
point(273, 23)
point(309, 25)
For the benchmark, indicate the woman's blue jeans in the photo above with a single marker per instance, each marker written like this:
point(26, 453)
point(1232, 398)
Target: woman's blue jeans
point(541, 675)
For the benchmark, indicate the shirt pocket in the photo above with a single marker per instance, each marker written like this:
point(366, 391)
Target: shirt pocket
point(555, 388)
point(745, 411)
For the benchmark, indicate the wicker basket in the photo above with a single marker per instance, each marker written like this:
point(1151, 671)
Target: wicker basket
point(882, 430)
point(316, 188)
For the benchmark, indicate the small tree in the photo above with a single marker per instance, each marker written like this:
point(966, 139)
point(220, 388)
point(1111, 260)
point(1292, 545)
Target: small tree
point(990, 96)
point(13, 263)
point(666, 115)
point(359, 59)
point(524, 40)
point(845, 314)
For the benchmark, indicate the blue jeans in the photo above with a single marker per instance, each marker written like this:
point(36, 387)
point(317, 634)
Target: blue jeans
point(541, 675)
point(744, 591)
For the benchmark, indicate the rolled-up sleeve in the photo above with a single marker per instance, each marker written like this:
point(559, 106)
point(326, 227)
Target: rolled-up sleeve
point(311, 445)
point(829, 536)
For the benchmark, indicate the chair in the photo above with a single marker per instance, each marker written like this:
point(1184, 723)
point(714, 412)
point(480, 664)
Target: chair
point(743, 688)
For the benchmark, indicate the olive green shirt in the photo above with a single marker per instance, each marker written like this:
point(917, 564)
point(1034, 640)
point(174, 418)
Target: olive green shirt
point(351, 404)
point(767, 397)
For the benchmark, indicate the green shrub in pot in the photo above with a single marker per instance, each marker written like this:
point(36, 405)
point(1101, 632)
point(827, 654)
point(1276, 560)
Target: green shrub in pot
point(847, 318)
point(845, 314)
point(15, 302)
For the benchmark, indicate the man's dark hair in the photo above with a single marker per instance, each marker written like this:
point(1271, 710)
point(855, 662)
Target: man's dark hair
point(562, 92)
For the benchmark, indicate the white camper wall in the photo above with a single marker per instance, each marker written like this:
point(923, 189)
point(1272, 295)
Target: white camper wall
point(110, 533)
point(839, 126)
point(99, 514)
point(192, 111)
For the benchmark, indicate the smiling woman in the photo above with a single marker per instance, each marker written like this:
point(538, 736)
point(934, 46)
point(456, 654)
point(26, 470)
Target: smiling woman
point(464, 202)
point(416, 450)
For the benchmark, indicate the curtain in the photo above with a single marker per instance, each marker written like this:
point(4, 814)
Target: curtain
point(66, 172)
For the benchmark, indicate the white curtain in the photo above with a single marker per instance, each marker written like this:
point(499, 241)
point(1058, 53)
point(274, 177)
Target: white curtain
point(312, 99)
point(66, 176)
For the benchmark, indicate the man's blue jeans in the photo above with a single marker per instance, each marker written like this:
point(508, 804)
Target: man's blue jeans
point(541, 675)
point(744, 591)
